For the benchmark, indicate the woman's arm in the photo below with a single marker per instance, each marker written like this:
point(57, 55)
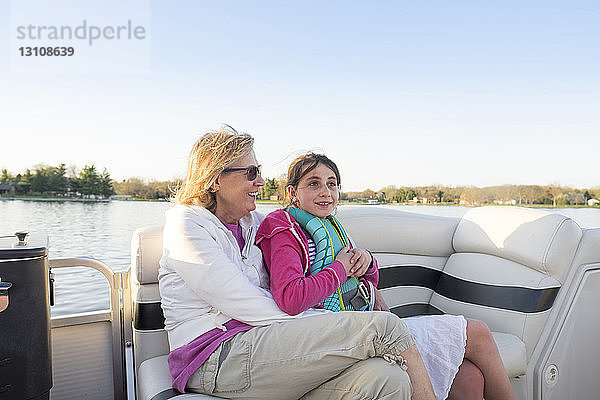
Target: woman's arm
point(292, 290)
point(200, 261)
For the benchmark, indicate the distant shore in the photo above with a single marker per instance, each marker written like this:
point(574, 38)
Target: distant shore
point(83, 200)
point(75, 199)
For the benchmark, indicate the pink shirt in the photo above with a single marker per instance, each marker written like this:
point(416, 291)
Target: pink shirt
point(236, 229)
point(285, 252)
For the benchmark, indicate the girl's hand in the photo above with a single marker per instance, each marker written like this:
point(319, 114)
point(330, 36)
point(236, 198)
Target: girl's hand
point(379, 304)
point(361, 261)
point(344, 256)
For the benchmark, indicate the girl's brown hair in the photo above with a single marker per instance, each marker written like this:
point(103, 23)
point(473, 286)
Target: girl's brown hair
point(210, 155)
point(302, 165)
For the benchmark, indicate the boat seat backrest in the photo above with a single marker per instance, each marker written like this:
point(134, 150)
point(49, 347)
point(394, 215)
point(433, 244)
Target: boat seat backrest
point(542, 241)
point(502, 265)
point(508, 266)
point(412, 250)
point(149, 336)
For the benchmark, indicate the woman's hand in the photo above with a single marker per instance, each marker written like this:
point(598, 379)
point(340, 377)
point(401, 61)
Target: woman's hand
point(361, 261)
point(379, 304)
point(344, 256)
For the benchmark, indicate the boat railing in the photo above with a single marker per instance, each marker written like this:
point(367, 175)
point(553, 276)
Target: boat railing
point(120, 337)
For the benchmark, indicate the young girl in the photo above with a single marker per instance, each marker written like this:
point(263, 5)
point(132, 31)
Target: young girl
point(313, 263)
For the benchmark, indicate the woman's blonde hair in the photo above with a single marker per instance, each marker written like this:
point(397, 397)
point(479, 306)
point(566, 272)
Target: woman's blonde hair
point(210, 155)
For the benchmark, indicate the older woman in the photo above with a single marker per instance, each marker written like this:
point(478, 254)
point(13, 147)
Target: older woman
point(227, 335)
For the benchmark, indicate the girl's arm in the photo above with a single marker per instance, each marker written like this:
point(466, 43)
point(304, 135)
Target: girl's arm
point(372, 274)
point(292, 290)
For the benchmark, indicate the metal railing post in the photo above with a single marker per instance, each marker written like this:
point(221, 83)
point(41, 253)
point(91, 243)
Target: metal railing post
point(116, 316)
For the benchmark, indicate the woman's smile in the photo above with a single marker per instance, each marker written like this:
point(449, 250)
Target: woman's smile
point(236, 195)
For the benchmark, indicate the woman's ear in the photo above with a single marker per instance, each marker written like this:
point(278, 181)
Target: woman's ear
point(215, 186)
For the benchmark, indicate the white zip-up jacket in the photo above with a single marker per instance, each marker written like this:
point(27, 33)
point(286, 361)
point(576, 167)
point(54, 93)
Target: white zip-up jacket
point(205, 281)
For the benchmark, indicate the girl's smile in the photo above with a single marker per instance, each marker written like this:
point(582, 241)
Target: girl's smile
point(317, 192)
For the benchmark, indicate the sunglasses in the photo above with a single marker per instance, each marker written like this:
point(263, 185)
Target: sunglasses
point(251, 172)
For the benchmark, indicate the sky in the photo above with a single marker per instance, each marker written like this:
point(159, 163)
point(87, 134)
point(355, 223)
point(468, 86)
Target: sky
point(404, 93)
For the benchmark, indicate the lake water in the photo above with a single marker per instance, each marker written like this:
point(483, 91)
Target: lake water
point(103, 231)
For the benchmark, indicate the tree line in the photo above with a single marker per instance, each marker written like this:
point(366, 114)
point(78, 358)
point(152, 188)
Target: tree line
point(63, 181)
point(549, 195)
point(59, 181)
point(139, 188)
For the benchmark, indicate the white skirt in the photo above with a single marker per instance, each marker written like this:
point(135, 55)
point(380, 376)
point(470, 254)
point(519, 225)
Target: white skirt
point(441, 340)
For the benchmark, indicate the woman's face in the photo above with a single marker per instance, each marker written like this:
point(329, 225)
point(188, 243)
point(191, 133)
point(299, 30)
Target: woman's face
point(236, 195)
point(317, 192)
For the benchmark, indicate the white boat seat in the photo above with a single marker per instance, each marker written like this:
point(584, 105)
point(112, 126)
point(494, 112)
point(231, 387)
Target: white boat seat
point(512, 352)
point(502, 265)
point(151, 346)
point(154, 372)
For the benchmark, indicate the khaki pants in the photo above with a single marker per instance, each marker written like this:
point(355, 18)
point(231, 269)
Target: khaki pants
point(329, 356)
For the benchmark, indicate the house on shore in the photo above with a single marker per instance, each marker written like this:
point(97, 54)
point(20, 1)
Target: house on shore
point(511, 202)
point(11, 189)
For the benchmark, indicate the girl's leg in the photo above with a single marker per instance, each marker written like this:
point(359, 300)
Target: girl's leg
point(468, 383)
point(482, 351)
point(289, 359)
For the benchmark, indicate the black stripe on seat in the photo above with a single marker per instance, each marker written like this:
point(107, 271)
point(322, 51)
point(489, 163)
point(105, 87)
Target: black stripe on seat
point(410, 310)
point(513, 298)
point(148, 316)
point(408, 275)
point(166, 394)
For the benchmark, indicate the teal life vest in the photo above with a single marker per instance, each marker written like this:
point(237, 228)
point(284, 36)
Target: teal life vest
point(330, 237)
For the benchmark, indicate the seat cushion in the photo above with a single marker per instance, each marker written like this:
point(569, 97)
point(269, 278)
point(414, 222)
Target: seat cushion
point(154, 382)
point(146, 251)
point(512, 352)
point(406, 282)
point(149, 336)
point(392, 231)
point(543, 241)
point(154, 379)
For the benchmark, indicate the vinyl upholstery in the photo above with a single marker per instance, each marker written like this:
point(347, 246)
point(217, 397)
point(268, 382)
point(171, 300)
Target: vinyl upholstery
point(502, 265)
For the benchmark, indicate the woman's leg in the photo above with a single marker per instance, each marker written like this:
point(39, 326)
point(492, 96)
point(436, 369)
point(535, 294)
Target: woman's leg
point(288, 359)
point(482, 351)
point(373, 378)
point(468, 383)
point(422, 388)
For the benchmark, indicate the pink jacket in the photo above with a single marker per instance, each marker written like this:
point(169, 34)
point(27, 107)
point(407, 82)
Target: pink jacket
point(285, 252)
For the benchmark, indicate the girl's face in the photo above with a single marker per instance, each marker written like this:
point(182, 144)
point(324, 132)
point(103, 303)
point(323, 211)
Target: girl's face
point(317, 192)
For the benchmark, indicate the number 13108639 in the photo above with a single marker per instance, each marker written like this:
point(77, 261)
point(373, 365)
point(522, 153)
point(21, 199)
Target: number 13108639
point(46, 51)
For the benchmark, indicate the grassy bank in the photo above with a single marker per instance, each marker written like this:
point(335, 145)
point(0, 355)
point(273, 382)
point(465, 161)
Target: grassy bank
point(42, 198)
point(277, 202)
